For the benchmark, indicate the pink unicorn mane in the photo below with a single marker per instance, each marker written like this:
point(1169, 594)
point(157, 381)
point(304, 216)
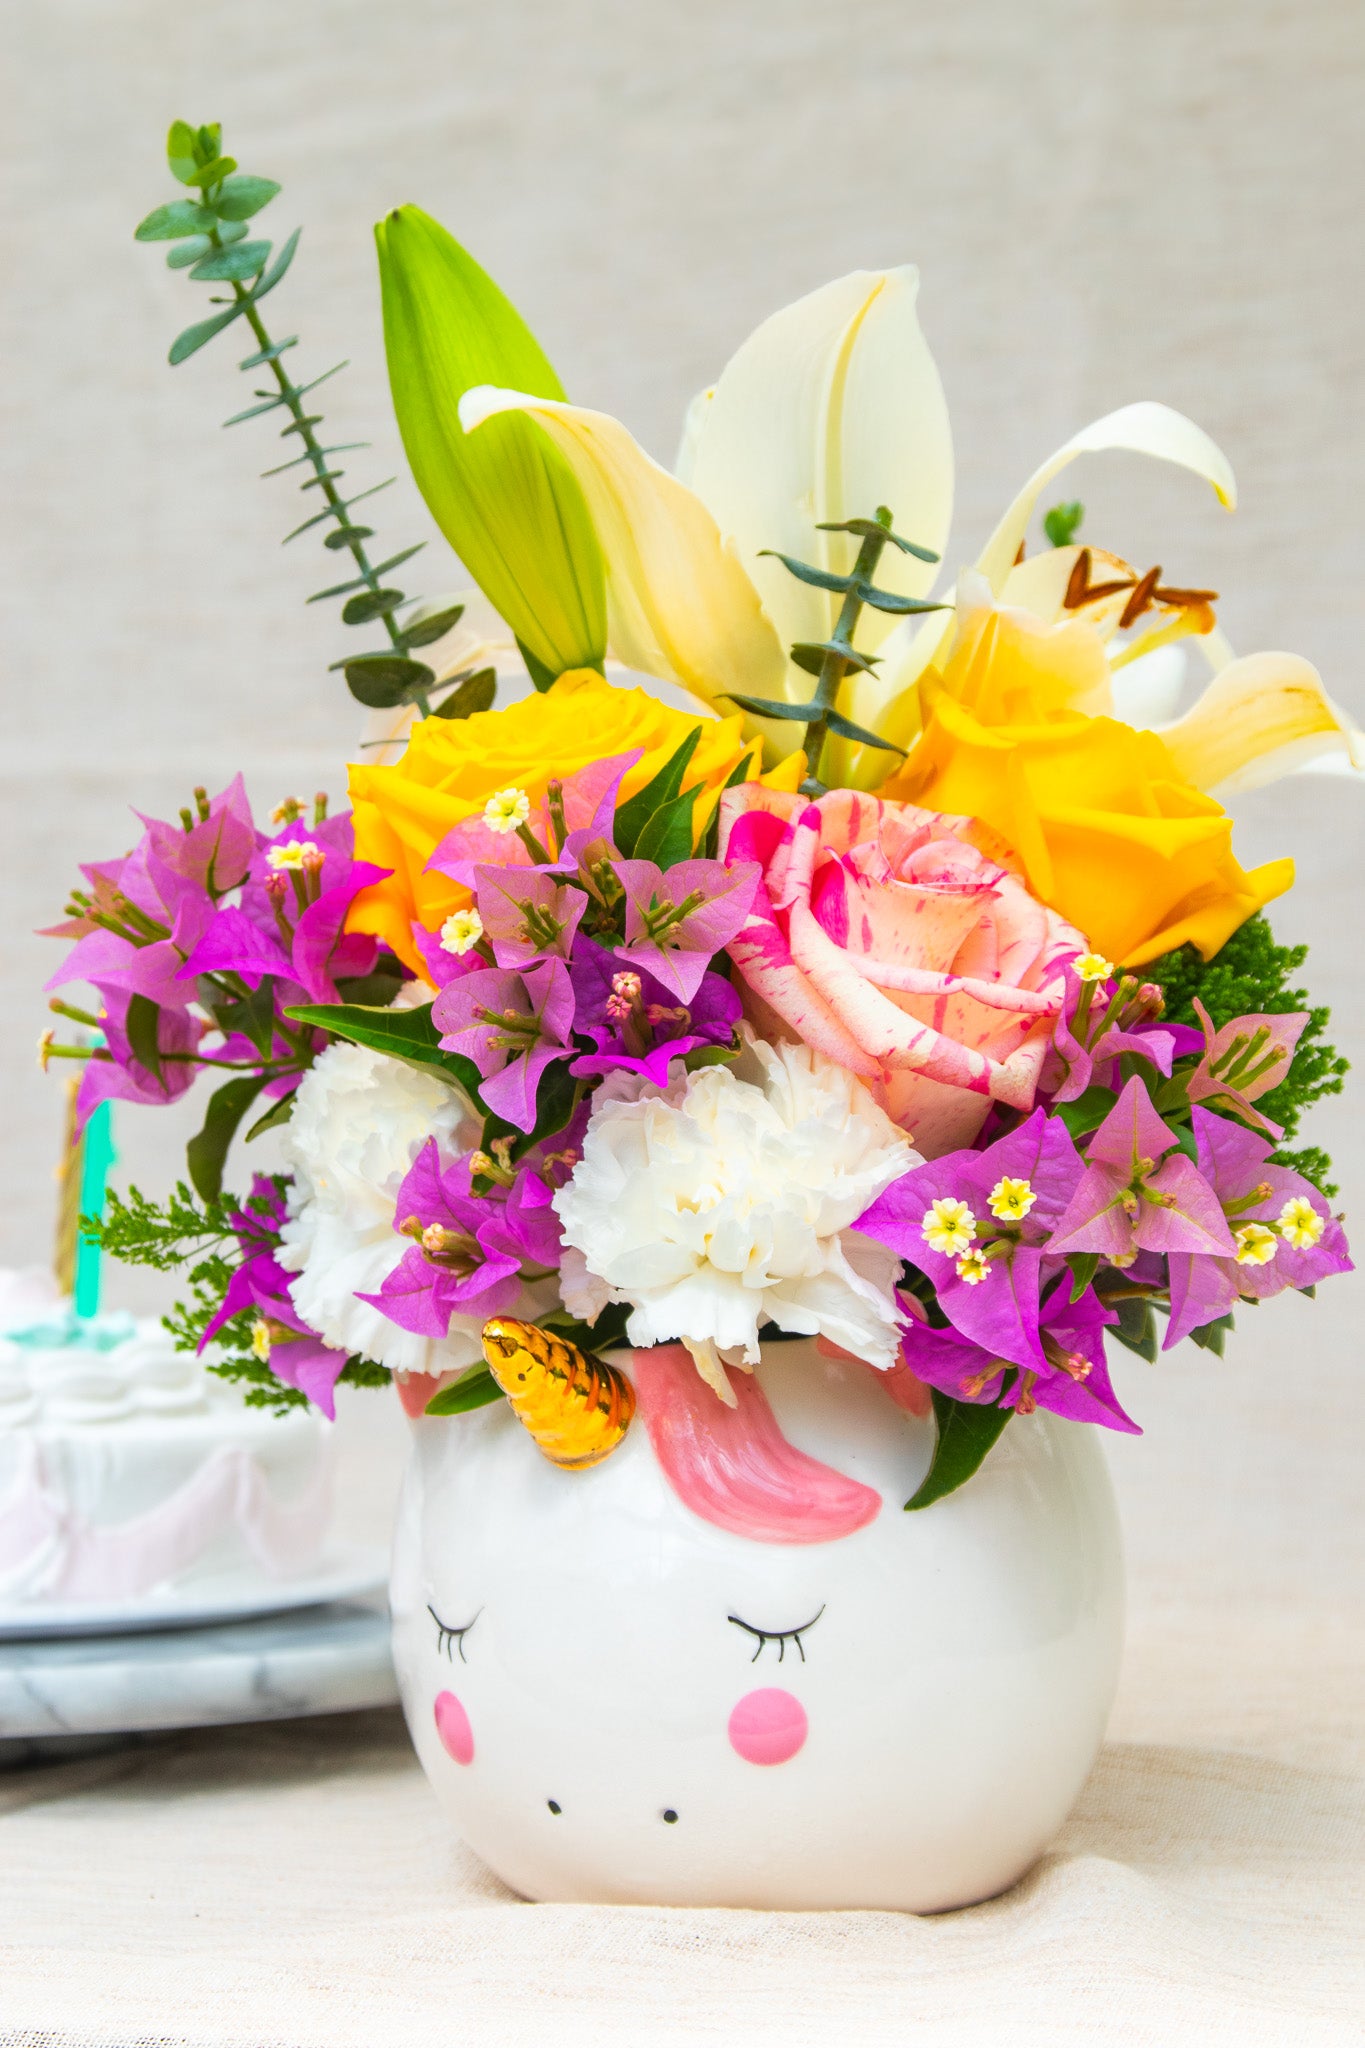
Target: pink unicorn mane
point(733, 1466)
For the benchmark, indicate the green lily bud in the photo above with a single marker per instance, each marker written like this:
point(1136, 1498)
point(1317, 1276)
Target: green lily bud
point(505, 498)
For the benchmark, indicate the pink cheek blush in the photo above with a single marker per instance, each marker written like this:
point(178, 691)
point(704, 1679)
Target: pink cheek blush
point(452, 1725)
point(768, 1727)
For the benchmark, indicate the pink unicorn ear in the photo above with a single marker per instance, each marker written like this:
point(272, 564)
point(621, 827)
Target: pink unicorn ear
point(733, 1466)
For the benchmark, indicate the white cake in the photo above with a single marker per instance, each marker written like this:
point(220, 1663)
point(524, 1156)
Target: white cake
point(128, 1471)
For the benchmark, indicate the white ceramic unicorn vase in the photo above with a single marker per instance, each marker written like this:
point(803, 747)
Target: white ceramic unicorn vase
point(723, 1667)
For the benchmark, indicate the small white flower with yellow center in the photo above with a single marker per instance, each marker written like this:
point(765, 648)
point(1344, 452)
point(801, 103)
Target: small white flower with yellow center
point(461, 930)
point(1011, 1200)
point(1256, 1244)
point(974, 1267)
point(506, 809)
point(294, 853)
point(1301, 1223)
point(1094, 967)
point(260, 1339)
point(949, 1225)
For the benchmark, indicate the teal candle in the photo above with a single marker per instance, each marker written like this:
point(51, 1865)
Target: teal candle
point(97, 1156)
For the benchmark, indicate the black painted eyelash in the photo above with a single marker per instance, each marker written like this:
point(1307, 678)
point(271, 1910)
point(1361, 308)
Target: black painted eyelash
point(446, 1636)
point(780, 1636)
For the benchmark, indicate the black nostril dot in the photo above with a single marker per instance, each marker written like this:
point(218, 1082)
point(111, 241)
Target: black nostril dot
point(554, 1806)
point(670, 1815)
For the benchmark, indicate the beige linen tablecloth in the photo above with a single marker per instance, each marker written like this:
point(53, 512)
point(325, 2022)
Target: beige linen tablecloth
point(1108, 202)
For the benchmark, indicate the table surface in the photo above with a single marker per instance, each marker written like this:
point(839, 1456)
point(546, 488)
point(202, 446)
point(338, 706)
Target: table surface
point(294, 1884)
point(1108, 203)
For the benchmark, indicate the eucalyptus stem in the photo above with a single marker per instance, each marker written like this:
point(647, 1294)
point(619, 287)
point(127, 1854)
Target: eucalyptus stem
point(837, 665)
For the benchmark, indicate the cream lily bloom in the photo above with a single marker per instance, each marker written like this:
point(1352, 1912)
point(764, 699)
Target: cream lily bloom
point(832, 407)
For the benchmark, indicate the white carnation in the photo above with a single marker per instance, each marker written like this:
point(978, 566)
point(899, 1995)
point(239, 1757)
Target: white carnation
point(723, 1202)
point(359, 1120)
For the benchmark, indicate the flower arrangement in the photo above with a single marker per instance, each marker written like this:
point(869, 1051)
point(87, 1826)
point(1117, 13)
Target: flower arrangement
point(737, 940)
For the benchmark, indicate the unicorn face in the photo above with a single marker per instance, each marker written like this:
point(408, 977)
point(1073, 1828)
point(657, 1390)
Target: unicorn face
point(621, 1696)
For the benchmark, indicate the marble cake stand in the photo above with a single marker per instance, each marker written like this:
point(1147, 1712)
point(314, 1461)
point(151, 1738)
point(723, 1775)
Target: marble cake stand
point(65, 1694)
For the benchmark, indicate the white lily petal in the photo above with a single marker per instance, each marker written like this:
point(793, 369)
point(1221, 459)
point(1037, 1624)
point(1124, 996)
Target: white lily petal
point(1262, 717)
point(1144, 429)
point(830, 408)
point(694, 419)
point(680, 606)
point(1147, 690)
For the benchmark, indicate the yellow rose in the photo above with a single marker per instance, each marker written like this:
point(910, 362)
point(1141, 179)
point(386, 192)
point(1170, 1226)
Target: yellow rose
point(1104, 826)
point(452, 767)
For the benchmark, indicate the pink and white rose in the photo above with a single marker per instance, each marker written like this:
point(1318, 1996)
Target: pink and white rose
point(884, 937)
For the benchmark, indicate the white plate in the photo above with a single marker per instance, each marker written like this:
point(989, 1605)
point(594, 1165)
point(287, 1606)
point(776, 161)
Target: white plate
point(62, 1698)
point(344, 1575)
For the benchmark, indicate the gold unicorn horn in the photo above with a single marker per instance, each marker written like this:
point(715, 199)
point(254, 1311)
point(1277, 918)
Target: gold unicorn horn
point(575, 1408)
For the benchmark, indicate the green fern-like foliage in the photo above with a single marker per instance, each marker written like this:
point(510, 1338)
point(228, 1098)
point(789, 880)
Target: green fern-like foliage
point(1251, 974)
point(186, 1232)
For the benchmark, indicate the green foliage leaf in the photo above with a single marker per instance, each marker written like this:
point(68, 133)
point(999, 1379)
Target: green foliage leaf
point(890, 601)
point(169, 223)
point(242, 195)
point(475, 693)
point(1062, 523)
point(608, 1333)
point(226, 265)
point(541, 676)
point(810, 655)
point(634, 815)
point(966, 1432)
point(1136, 1326)
point(278, 1114)
point(1211, 1336)
point(846, 729)
point(142, 1024)
point(383, 681)
point(213, 173)
point(473, 1389)
point(406, 1035)
point(370, 605)
point(185, 253)
point(206, 1153)
point(770, 707)
point(667, 835)
point(873, 529)
point(1088, 1111)
point(180, 154)
point(1084, 1266)
point(820, 579)
point(504, 496)
point(276, 272)
point(193, 338)
point(423, 632)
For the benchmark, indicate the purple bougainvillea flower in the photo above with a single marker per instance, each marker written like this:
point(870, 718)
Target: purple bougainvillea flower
point(588, 800)
point(1244, 1060)
point(163, 915)
point(1073, 1379)
point(467, 1254)
point(528, 914)
point(635, 1023)
point(215, 853)
point(295, 1353)
point(512, 1026)
point(677, 922)
point(1072, 1066)
point(1138, 1193)
point(1283, 1231)
point(123, 1077)
point(291, 921)
point(977, 1224)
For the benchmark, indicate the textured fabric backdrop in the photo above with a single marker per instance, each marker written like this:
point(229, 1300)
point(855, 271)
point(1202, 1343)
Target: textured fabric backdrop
point(1108, 202)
